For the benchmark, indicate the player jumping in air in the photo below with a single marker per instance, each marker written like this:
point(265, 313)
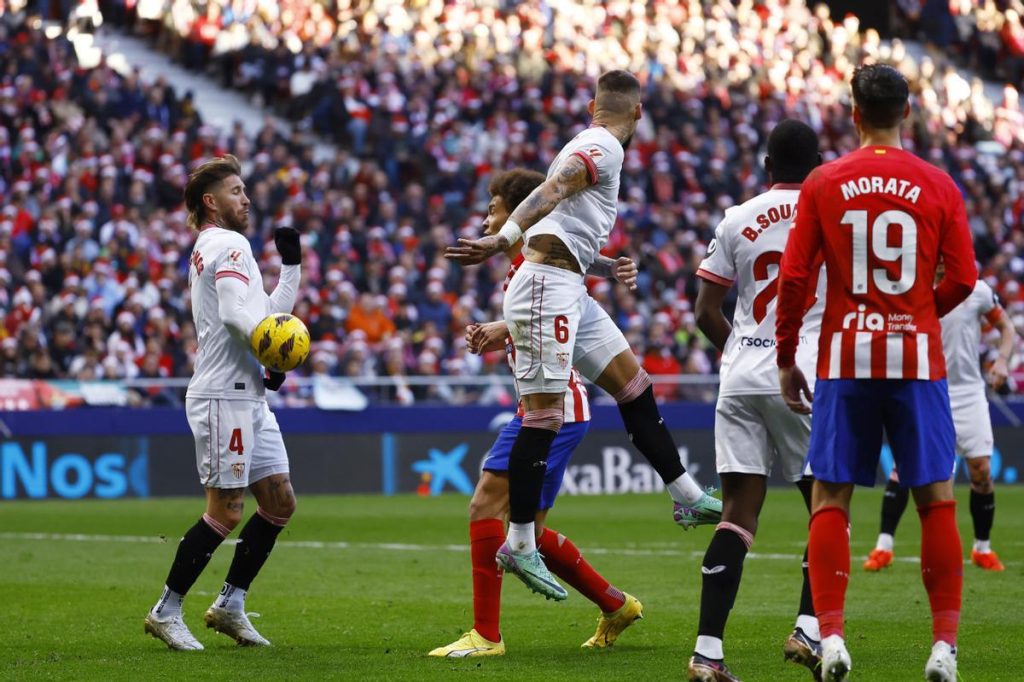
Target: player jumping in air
point(753, 426)
point(238, 442)
point(961, 334)
point(488, 510)
point(555, 325)
point(882, 219)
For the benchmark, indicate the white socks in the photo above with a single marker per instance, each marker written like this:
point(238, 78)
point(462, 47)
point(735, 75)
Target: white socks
point(884, 542)
point(709, 647)
point(231, 598)
point(983, 546)
point(521, 538)
point(685, 490)
point(809, 624)
point(169, 604)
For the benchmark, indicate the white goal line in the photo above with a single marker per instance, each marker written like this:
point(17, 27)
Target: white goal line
point(392, 546)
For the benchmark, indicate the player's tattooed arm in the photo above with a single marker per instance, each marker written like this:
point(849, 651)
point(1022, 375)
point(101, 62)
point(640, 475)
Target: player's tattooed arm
point(621, 269)
point(570, 178)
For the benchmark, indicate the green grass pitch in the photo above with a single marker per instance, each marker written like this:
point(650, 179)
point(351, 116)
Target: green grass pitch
point(361, 588)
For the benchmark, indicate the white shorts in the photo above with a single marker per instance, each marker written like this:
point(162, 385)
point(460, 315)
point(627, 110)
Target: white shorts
point(238, 442)
point(973, 425)
point(555, 325)
point(753, 430)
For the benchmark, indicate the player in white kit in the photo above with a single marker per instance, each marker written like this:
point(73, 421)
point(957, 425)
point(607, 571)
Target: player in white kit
point(555, 325)
point(753, 425)
point(238, 442)
point(961, 335)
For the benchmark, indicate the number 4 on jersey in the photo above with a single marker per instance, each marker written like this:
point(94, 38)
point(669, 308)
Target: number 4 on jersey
point(235, 443)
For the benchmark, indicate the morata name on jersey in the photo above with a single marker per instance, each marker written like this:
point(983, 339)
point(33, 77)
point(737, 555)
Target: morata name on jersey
point(876, 184)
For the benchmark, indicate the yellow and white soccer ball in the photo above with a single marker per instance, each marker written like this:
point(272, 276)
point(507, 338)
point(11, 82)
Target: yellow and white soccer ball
point(280, 342)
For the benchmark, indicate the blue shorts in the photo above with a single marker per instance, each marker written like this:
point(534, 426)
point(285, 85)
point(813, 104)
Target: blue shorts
point(846, 430)
point(569, 436)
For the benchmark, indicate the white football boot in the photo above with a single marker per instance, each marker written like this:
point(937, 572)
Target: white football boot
point(173, 632)
point(234, 624)
point(941, 665)
point(835, 659)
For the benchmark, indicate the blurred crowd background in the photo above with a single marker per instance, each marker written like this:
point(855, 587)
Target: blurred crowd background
point(423, 102)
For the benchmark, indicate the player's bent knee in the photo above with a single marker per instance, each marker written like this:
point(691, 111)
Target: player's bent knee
point(276, 519)
point(745, 535)
point(633, 388)
point(490, 499)
point(549, 419)
point(980, 471)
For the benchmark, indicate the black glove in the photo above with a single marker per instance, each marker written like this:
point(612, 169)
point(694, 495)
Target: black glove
point(287, 241)
point(272, 380)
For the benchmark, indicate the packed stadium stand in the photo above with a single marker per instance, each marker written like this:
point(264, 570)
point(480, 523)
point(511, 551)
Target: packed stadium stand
point(423, 102)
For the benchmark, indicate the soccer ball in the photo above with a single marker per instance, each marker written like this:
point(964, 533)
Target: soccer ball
point(280, 342)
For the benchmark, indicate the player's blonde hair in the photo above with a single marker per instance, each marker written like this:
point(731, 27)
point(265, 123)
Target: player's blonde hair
point(204, 179)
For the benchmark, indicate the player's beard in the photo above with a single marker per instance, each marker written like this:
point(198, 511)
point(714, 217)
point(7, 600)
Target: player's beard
point(627, 141)
point(237, 222)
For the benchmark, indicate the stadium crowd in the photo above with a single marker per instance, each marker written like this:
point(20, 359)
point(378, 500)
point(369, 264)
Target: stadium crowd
point(424, 106)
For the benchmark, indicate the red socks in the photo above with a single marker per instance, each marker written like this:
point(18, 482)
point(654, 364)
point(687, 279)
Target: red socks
point(828, 558)
point(485, 539)
point(561, 556)
point(565, 561)
point(942, 567)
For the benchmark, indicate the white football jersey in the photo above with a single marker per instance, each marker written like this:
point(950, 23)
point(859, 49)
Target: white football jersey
point(225, 367)
point(584, 220)
point(961, 337)
point(747, 250)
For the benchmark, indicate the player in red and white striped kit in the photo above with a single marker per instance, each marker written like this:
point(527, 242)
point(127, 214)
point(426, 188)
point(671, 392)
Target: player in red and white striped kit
point(488, 510)
point(882, 219)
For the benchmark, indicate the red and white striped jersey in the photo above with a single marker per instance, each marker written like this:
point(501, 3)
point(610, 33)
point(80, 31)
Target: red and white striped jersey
point(882, 219)
point(576, 407)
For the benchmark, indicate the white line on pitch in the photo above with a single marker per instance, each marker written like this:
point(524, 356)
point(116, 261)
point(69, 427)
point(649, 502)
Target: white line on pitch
point(390, 546)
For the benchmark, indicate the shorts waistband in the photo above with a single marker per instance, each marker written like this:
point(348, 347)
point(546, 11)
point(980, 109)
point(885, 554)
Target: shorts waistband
point(551, 271)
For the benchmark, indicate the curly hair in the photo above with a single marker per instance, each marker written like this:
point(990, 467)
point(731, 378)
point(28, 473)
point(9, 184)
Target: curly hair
point(515, 185)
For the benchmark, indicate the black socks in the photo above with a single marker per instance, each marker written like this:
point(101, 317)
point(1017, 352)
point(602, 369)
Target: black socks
point(254, 544)
point(194, 552)
point(648, 433)
point(722, 570)
point(527, 464)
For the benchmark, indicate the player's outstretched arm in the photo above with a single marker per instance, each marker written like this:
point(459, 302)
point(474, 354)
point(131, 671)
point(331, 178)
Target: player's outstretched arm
point(622, 270)
point(282, 299)
point(571, 177)
point(710, 318)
